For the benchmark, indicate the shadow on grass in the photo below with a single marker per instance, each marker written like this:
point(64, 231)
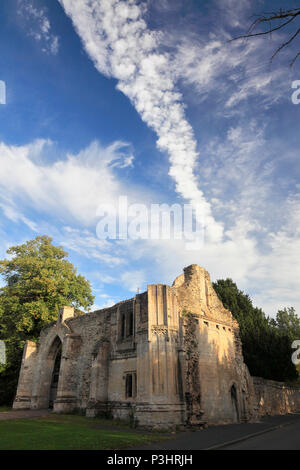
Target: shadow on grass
point(71, 432)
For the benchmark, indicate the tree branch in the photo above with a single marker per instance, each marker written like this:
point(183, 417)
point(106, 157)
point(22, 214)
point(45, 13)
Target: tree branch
point(285, 44)
point(271, 18)
point(294, 59)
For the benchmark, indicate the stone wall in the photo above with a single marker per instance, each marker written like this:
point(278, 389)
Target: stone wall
point(216, 383)
point(169, 356)
point(275, 398)
point(165, 403)
point(26, 377)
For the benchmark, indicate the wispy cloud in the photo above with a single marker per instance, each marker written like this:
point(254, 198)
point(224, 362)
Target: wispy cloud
point(38, 25)
point(235, 12)
point(238, 169)
point(231, 73)
point(119, 42)
point(85, 243)
point(71, 187)
point(251, 210)
point(12, 213)
point(134, 280)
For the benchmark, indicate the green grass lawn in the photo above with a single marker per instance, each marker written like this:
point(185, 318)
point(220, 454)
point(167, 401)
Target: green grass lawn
point(4, 408)
point(69, 432)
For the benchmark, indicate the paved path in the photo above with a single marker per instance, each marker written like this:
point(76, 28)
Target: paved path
point(276, 432)
point(22, 414)
point(284, 438)
point(217, 437)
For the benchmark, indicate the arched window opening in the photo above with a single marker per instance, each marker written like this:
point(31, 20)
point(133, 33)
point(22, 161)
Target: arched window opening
point(130, 385)
point(234, 402)
point(55, 373)
point(130, 328)
point(123, 326)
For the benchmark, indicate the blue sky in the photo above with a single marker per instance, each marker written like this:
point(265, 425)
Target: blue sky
point(149, 100)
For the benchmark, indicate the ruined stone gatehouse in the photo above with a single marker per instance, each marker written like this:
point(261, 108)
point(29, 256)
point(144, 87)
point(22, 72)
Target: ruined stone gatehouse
point(169, 356)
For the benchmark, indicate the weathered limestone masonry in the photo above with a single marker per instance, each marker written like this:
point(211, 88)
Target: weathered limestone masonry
point(275, 397)
point(169, 356)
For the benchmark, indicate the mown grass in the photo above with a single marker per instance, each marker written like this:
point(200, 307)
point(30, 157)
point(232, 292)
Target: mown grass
point(4, 408)
point(69, 432)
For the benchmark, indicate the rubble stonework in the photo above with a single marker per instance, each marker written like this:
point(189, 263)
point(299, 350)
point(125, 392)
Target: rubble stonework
point(275, 397)
point(169, 356)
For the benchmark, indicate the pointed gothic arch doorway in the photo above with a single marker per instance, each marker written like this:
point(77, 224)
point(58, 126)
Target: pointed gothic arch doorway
point(234, 402)
point(55, 357)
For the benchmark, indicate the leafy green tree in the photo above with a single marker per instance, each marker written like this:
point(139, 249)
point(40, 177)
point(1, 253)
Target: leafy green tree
point(287, 322)
point(38, 281)
point(266, 346)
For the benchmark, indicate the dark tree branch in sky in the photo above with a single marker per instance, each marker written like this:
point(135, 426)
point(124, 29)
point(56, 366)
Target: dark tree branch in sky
point(276, 21)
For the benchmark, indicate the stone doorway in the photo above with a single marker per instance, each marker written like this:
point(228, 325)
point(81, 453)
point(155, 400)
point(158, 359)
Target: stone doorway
point(234, 402)
point(55, 374)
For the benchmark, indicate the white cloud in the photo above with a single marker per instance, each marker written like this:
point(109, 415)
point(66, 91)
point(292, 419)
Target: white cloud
point(87, 245)
point(235, 12)
point(242, 174)
point(71, 188)
point(238, 171)
point(235, 170)
point(231, 72)
point(271, 277)
point(134, 280)
point(38, 26)
point(13, 214)
point(117, 39)
point(166, 6)
point(106, 304)
point(278, 271)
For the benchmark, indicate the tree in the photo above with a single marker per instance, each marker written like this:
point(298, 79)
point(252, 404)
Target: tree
point(266, 349)
point(288, 323)
point(277, 21)
point(38, 281)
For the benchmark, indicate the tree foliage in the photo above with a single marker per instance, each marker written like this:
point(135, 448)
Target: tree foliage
point(288, 323)
point(38, 281)
point(266, 342)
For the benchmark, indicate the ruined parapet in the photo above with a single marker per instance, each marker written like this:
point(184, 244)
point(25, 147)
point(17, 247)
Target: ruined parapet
point(65, 313)
point(97, 405)
point(217, 385)
point(163, 336)
point(25, 383)
point(66, 399)
point(160, 402)
point(162, 310)
point(196, 294)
